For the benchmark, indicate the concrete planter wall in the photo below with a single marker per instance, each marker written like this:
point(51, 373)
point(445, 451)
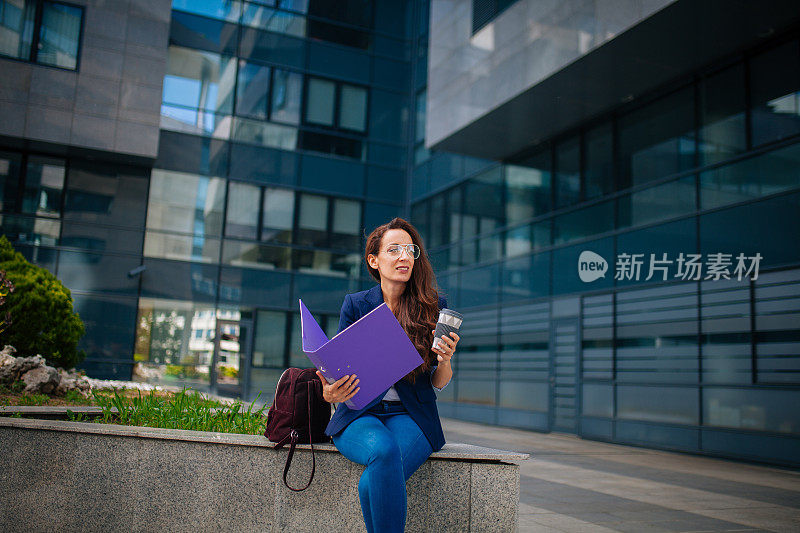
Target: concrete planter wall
point(71, 476)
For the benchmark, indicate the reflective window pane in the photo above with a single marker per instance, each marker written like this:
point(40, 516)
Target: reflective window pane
point(334, 144)
point(584, 222)
point(270, 339)
point(199, 80)
point(16, 28)
point(528, 188)
point(44, 186)
point(313, 221)
point(255, 255)
point(319, 108)
point(483, 201)
point(32, 230)
point(198, 248)
point(242, 212)
point(675, 405)
point(346, 223)
point(775, 93)
point(175, 341)
point(657, 203)
point(722, 114)
point(106, 194)
point(264, 134)
point(9, 180)
point(278, 216)
point(287, 90)
point(766, 174)
point(59, 35)
point(599, 164)
point(185, 203)
point(567, 174)
point(229, 10)
point(275, 20)
point(518, 241)
point(353, 108)
point(195, 122)
point(420, 117)
point(328, 263)
point(761, 410)
point(657, 140)
point(252, 89)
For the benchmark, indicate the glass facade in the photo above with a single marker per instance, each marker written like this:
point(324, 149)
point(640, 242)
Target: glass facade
point(665, 358)
point(290, 129)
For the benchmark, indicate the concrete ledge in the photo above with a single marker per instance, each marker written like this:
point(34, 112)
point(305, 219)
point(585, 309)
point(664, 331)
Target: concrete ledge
point(100, 477)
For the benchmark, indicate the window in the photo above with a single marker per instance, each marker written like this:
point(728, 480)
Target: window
point(270, 339)
point(199, 92)
point(313, 222)
point(252, 90)
point(248, 203)
point(275, 20)
point(267, 93)
point(287, 89)
point(353, 108)
point(47, 33)
point(775, 94)
point(598, 162)
point(346, 223)
point(348, 12)
point(336, 105)
point(185, 203)
point(199, 80)
point(242, 212)
point(36, 191)
point(340, 108)
point(722, 110)
point(329, 222)
point(568, 173)
point(528, 188)
point(421, 108)
point(658, 139)
point(320, 107)
point(278, 215)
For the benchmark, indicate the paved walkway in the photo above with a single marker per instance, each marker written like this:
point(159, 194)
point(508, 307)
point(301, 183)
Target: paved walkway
point(570, 484)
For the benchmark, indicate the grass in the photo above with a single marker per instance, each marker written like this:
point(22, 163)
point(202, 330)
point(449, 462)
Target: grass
point(186, 409)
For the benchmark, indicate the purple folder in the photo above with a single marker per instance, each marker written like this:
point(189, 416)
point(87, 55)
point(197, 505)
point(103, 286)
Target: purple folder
point(375, 348)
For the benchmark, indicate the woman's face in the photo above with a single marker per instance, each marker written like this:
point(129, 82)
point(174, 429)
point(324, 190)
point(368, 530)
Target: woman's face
point(393, 268)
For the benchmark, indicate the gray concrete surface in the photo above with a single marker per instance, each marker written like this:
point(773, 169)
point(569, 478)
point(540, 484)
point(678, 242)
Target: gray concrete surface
point(80, 476)
point(576, 485)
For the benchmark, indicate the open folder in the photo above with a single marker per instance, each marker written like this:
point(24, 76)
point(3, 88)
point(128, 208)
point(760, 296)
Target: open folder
point(375, 348)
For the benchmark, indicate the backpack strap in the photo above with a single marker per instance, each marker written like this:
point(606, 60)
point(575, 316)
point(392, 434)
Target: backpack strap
point(295, 436)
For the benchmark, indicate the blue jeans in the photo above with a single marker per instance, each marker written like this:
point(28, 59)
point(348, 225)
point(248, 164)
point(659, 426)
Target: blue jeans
point(392, 446)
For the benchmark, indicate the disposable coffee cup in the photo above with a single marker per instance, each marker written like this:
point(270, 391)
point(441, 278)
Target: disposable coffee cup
point(449, 322)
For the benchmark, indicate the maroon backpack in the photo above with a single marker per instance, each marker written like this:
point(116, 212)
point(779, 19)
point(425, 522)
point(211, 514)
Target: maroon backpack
point(298, 415)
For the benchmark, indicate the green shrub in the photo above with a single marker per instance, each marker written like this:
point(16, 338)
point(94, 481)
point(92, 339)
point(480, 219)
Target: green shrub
point(43, 321)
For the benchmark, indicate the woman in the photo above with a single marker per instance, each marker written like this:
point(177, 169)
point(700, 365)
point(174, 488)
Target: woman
point(395, 434)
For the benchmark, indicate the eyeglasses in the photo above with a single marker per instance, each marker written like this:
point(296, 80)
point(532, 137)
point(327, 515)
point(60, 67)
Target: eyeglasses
point(395, 250)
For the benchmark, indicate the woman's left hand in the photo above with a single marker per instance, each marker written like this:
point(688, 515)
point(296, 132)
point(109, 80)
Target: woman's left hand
point(447, 348)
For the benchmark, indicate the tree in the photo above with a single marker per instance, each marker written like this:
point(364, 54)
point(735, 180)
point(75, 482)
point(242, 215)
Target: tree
point(43, 320)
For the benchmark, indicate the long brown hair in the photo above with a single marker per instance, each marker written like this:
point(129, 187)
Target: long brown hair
point(418, 308)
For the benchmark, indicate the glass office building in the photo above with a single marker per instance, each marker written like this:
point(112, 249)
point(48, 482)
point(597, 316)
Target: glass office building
point(193, 175)
point(689, 191)
point(283, 131)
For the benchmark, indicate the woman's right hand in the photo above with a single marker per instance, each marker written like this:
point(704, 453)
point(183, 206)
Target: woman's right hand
point(339, 391)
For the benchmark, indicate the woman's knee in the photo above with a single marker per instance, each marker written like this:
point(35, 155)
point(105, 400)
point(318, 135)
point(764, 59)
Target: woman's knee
point(385, 451)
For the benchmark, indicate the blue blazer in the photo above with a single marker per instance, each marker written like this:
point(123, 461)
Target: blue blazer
point(419, 399)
